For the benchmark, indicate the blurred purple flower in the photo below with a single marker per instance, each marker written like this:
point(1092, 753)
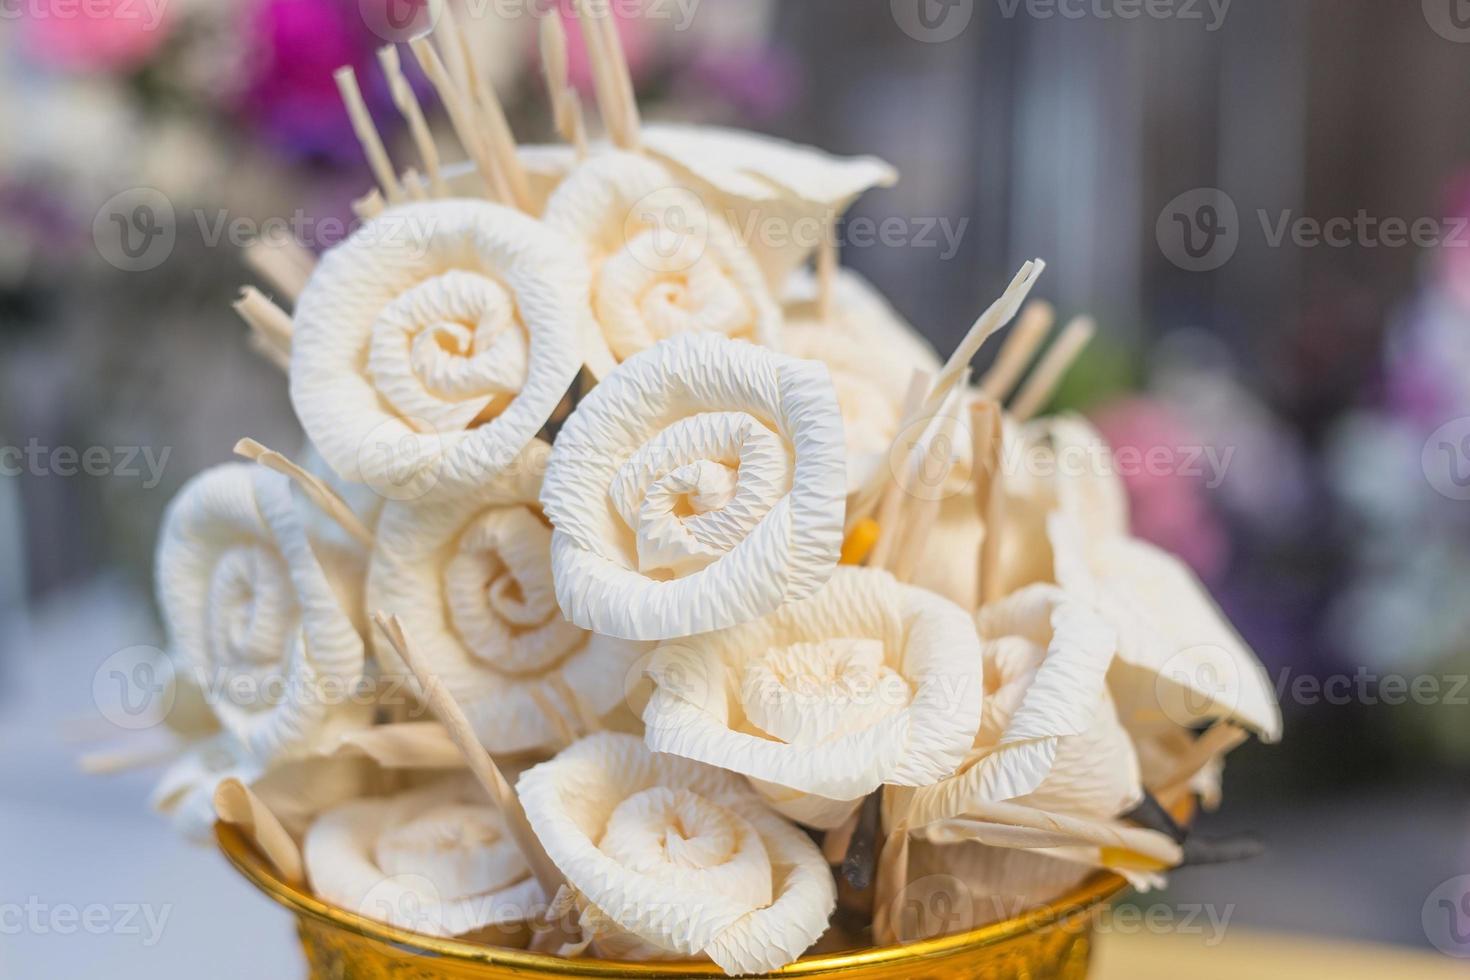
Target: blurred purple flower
point(289, 92)
point(760, 82)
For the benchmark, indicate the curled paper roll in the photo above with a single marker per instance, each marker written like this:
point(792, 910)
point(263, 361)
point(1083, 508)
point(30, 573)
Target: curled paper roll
point(436, 860)
point(434, 343)
point(700, 485)
point(672, 859)
point(470, 576)
point(1049, 736)
point(867, 682)
point(254, 613)
point(662, 261)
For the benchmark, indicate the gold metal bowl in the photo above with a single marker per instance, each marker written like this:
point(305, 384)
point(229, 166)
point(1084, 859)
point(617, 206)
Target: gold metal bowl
point(1052, 941)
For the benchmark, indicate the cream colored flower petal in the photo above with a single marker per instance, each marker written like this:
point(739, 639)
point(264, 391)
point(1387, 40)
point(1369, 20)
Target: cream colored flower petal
point(1049, 736)
point(250, 608)
point(296, 790)
point(437, 860)
point(804, 808)
point(783, 195)
point(951, 562)
point(1170, 632)
point(681, 856)
point(431, 346)
point(871, 354)
point(471, 577)
point(967, 885)
point(867, 682)
point(698, 486)
point(662, 263)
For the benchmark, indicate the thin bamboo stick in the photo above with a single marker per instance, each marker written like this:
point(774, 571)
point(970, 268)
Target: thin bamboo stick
point(315, 489)
point(1042, 385)
point(367, 133)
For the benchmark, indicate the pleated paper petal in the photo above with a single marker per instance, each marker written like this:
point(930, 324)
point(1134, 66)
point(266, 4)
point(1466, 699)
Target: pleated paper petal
point(470, 575)
point(251, 609)
point(431, 346)
point(1180, 660)
point(867, 682)
point(436, 860)
point(700, 485)
point(957, 887)
point(662, 263)
point(1049, 736)
point(783, 196)
point(871, 354)
point(681, 860)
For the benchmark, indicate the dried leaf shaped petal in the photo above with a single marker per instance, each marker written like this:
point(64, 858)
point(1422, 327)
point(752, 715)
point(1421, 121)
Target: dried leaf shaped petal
point(1180, 660)
point(957, 887)
point(758, 182)
point(681, 860)
point(436, 860)
point(662, 262)
point(867, 682)
point(470, 575)
point(432, 345)
point(251, 609)
point(698, 486)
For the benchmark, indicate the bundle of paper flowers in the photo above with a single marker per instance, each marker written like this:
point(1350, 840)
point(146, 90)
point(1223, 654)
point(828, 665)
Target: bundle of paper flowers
point(724, 589)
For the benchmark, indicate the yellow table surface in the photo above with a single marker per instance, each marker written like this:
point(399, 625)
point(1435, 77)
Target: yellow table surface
point(1247, 955)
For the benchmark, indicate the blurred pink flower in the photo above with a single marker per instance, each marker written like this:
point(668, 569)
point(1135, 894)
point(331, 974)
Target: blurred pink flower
point(634, 32)
point(1158, 456)
point(97, 36)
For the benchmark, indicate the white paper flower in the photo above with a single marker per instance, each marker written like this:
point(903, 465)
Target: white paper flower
point(871, 354)
point(1049, 737)
point(435, 342)
point(296, 790)
point(1180, 662)
point(256, 616)
point(470, 575)
point(867, 682)
point(678, 860)
point(436, 860)
point(662, 263)
point(700, 485)
point(784, 196)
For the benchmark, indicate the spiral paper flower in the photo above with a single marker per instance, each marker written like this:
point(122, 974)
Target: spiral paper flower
point(698, 486)
point(870, 389)
point(1049, 737)
point(250, 607)
point(677, 860)
point(662, 262)
point(865, 683)
point(788, 194)
point(435, 342)
point(471, 578)
point(436, 860)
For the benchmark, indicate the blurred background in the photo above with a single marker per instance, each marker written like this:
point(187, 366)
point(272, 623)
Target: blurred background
point(1265, 204)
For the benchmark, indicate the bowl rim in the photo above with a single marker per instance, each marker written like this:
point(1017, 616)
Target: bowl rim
point(1080, 901)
